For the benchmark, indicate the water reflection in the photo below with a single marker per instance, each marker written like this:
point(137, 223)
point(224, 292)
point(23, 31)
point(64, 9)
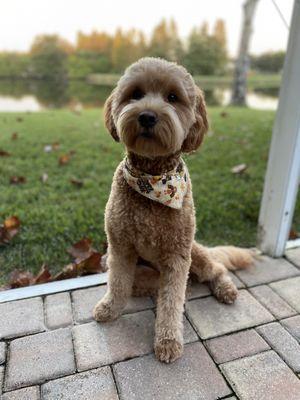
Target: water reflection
point(27, 95)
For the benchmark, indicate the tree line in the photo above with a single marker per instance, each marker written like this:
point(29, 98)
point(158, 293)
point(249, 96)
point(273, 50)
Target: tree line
point(204, 52)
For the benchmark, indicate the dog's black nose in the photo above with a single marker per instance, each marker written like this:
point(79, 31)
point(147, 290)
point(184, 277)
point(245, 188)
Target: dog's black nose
point(147, 119)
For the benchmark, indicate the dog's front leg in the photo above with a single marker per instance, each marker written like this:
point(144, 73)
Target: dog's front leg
point(168, 344)
point(121, 269)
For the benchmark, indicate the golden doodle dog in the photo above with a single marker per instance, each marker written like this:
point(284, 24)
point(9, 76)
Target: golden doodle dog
point(158, 113)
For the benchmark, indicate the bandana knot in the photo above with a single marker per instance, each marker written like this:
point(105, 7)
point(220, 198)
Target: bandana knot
point(168, 188)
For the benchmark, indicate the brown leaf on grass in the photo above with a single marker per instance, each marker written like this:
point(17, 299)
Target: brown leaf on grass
point(14, 136)
point(43, 276)
point(224, 114)
point(55, 145)
point(9, 229)
point(89, 265)
point(239, 169)
point(76, 182)
point(16, 180)
point(44, 178)
point(64, 159)
point(81, 250)
point(294, 234)
point(20, 279)
point(4, 153)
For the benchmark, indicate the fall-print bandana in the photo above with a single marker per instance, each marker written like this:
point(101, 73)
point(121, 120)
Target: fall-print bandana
point(168, 188)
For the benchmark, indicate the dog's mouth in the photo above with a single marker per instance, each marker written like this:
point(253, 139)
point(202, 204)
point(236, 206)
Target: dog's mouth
point(147, 134)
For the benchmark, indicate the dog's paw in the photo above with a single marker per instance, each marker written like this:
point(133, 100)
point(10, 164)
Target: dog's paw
point(103, 312)
point(226, 293)
point(168, 350)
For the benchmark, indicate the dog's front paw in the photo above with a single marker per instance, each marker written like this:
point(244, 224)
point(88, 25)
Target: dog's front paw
point(226, 292)
point(103, 312)
point(168, 350)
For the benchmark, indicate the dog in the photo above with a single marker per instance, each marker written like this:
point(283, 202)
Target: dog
point(158, 113)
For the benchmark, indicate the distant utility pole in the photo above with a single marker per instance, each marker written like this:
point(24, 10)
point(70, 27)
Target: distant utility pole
point(239, 87)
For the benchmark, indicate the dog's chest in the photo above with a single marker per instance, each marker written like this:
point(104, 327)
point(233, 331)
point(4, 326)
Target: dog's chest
point(152, 228)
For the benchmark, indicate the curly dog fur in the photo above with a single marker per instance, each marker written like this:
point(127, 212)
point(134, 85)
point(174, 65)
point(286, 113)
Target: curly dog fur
point(137, 226)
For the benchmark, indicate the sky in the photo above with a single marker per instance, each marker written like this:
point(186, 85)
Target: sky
point(21, 20)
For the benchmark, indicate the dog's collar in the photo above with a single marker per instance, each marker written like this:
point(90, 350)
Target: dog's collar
point(168, 188)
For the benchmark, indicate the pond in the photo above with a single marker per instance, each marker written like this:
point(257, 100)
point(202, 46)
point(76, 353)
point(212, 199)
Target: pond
point(37, 95)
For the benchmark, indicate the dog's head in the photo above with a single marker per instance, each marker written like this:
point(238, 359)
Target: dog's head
point(156, 109)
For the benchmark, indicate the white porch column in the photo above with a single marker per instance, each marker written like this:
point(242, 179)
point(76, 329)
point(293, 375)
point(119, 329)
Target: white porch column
point(283, 171)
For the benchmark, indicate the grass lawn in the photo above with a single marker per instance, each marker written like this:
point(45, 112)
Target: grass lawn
point(55, 214)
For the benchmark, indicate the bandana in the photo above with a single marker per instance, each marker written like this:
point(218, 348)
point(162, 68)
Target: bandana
point(168, 188)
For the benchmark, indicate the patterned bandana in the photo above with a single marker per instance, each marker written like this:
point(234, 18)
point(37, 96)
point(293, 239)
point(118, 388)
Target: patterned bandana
point(168, 188)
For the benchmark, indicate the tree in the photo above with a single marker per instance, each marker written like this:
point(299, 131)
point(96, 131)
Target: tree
point(269, 62)
point(165, 41)
point(205, 54)
point(49, 57)
point(242, 63)
point(220, 32)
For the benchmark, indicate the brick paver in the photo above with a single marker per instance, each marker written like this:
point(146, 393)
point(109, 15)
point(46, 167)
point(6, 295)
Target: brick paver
point(274, 303)
point(29, 393)
point(99, 344)
point(34, 359)
point(293, 326)
point(283, 343)
point(212, 318)
point(92, 385)
point(58, 310)
point(84, 301)
point(237, 345)
point(19, 318)
point(2, 352)
point(193, 377)
point(51, 349)
point(293, 256)
point(262, 377)
point(289, 289)
point(267, 270)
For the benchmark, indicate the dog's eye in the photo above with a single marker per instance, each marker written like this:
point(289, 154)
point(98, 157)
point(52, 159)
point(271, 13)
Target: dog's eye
point(137, 94)
point(172, 98)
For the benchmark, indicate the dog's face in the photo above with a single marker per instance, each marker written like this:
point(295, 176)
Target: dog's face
point(156, 109)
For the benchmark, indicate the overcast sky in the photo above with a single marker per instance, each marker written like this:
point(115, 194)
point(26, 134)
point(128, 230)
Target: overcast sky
point(21, 20)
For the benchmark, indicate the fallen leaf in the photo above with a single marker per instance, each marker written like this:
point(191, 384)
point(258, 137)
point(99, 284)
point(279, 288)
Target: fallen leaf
point(4, 153)
point(64, 159)
point(239, 169)
point(14, 136)
point(20, 278)
point(224, 114)
point(293, 234)
point(76, 182)
point(43, 276)
point(81, 250)
point(9, 229)
point(44, 178)
point(55, 146)
point(16, 180)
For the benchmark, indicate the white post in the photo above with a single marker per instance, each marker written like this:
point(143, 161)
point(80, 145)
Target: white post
point(283, 171)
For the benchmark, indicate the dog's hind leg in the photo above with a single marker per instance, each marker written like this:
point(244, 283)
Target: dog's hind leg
point(121, 270)
point(170, 301)
point(208, 270)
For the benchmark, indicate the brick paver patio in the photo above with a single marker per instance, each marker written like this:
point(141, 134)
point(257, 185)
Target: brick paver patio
point(51, 349)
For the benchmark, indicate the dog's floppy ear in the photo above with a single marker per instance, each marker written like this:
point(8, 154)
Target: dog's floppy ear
point(200, 126)
point(108, 118)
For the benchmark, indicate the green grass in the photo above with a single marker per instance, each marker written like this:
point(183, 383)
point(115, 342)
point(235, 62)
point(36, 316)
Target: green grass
point(56, 214)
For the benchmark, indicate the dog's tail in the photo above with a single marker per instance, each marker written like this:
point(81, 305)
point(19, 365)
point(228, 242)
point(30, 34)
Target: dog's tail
point(232, 257)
